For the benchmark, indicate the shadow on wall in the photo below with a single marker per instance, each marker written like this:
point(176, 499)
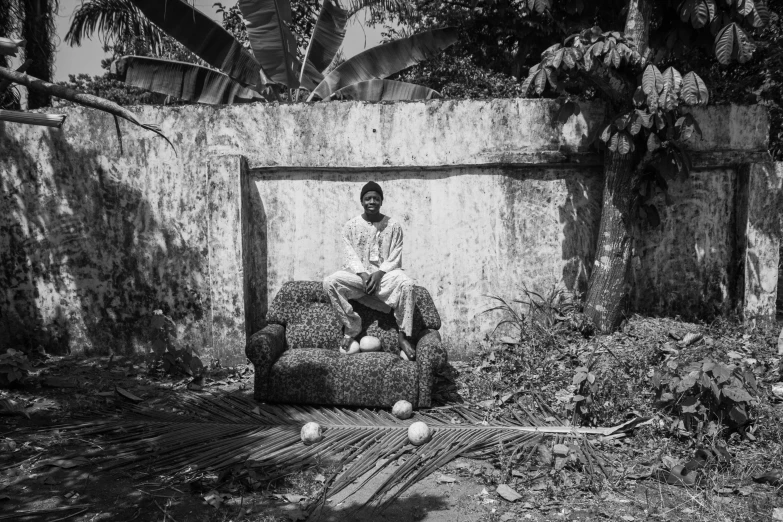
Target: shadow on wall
point(83, 260)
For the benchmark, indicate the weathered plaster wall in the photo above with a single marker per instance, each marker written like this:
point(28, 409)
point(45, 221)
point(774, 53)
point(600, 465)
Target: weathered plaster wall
point(92, 241)
point(491, 193)
point(469, 233)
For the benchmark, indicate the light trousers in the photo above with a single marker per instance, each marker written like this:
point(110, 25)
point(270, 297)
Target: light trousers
point(395, 293)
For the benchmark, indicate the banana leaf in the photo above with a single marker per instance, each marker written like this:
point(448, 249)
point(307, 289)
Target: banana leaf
point(9, 46)
point(33, 118)
point(384, 60)
point(204, 37)
point(327, 38)
point(385, 90)
point(268, 25)
point(181, 80)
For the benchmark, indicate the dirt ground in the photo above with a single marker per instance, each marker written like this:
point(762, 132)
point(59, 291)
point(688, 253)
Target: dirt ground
point(46, 474)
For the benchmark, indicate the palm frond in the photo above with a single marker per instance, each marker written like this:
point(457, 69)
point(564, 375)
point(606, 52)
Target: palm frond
point(216, 432)
point(33, 118)
point(113, 20)
point(10, 46)
point(377, 7)
point(4, 84)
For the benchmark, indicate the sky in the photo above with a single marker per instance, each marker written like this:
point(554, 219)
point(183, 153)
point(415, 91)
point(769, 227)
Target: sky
point(87, 57)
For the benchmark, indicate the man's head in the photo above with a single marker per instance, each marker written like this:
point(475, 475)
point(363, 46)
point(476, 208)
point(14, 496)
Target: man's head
point(371, 198)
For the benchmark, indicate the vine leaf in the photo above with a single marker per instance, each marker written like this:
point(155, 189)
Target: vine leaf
point(652, 83)
point(699, 12)
point(673, 79)
point(694, 91)
point(732, 43)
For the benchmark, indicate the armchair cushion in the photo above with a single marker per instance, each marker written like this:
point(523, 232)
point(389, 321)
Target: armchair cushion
point(315, 326)
point(314, 376)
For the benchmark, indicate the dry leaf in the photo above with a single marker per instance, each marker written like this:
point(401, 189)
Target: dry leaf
point(294, 499)
point(292, 511)
point(125, 394)
point(507, 493)
point(690, 338)
point(213, 499)
point(9, 407)
point(445, 479)
point(777, 514)
point(59, 382)
point(773, 478)
point(63, 463)
point(560, 449)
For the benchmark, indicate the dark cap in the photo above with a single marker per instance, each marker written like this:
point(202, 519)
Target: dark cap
point(371, 186)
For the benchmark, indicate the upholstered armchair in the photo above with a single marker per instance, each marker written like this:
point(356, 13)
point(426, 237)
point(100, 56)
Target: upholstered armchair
point(297, 358)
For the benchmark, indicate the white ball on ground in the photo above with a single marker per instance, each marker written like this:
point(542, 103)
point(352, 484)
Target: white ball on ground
point(370, 344)
point(352, 349)
point(311, 433)
point(419, 433)
point(402, 410)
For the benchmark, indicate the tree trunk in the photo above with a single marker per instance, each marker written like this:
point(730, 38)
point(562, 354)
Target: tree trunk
point(6, 27)
point(637, 24)
point(610, 281)
point(607, 294)
point(39, 30)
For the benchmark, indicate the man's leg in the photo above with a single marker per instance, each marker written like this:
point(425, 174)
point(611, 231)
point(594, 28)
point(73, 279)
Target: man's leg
point(396, 290)
point(340, 287)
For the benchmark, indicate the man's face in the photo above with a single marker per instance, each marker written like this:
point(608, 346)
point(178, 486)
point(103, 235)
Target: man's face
point(372, 202)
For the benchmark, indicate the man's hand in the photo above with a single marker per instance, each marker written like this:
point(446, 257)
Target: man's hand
point(373, 284)
point(365, 279)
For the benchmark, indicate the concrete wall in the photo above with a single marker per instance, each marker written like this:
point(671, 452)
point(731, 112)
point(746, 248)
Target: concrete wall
point(492, 196)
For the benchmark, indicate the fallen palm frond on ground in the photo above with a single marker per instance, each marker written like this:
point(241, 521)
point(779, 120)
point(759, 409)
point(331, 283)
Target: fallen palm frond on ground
point(222, 431)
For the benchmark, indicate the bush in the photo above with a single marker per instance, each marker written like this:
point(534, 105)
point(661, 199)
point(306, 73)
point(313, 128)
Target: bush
point(14, 368)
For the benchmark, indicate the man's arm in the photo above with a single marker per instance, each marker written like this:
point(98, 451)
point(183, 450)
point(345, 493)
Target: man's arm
point(394, 260)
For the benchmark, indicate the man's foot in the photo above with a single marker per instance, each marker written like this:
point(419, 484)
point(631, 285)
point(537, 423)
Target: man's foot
point(407, 347)
point(346, 342)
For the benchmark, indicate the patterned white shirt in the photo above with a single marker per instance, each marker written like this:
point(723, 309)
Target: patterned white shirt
point(369, 247)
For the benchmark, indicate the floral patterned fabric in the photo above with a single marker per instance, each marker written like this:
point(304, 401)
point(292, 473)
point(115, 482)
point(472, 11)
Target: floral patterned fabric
point(297, 359)
point(316, 376)
point(430, 357)
point(304, 309)
point(263, 349)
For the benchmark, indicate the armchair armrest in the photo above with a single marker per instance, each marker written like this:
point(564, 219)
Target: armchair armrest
point(430, 357)
point(263, 349)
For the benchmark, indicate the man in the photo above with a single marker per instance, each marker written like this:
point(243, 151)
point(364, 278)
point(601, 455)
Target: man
point(372, 271)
